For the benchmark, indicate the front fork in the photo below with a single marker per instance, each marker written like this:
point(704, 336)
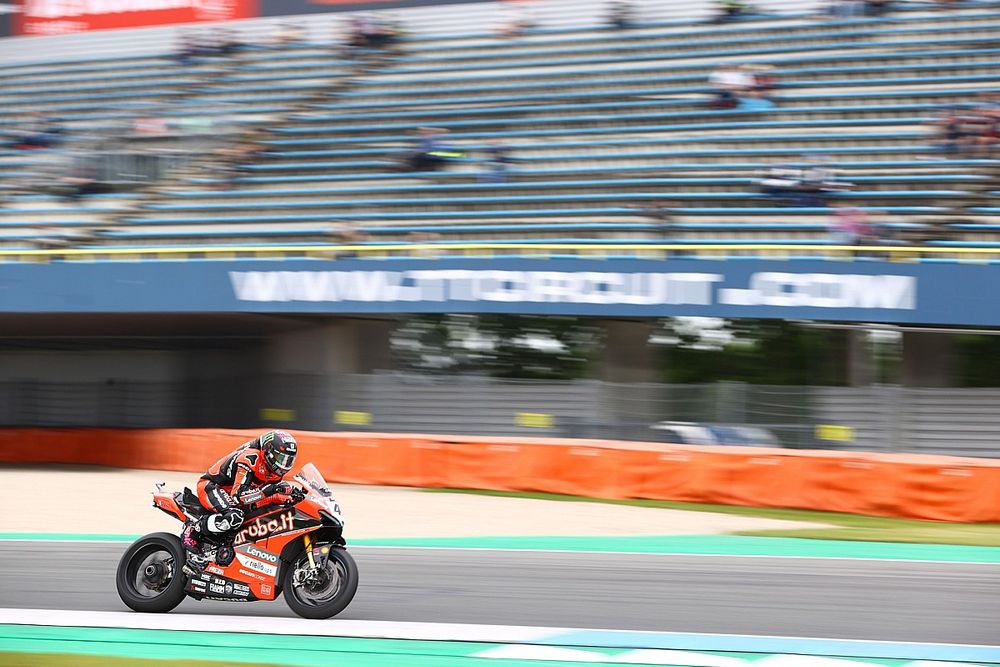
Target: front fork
point(317, 563)
point(307, 538)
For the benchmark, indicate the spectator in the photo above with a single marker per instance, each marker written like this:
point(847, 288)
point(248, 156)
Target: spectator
point(988, 122)
point(780, 181)
point(729, 10)
point(497, 163)
point(877, 8)
point(149, 126)
point(849, 225)
point(82, 179)
point(232, 162)
point(765, 82)
point(621, 14)
point(818, 182)
point(663, 215)
point(37, 132)
point(516, 19)
point(344, 234)
point(229, 43)
point(431, 151)
point(731, 82)
point(426, 242)
point(952, 130)
point(185, 51)
point(288, 33)
point(845, 9)
point(366, 31)
point(201, 45)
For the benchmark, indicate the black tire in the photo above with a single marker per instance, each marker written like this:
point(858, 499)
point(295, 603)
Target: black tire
point(161, 550)
point(325, 606)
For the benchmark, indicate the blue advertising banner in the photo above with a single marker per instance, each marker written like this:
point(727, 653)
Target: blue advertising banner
point(821, 290)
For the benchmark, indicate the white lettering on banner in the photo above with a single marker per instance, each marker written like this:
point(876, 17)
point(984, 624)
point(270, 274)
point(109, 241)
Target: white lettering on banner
point(767, 288)
point(56, 9)
point(459, 285)
point(824, 290)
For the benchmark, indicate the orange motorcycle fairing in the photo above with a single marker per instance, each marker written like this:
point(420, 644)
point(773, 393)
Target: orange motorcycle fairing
point(168, 503)
point(255, 567)
point(255, 571)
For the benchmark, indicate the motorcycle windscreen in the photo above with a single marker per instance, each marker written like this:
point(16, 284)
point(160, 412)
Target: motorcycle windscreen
point(312, 478)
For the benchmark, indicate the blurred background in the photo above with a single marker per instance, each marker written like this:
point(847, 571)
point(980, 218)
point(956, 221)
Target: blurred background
point(288, 131)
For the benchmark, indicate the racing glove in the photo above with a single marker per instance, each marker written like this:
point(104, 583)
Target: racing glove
point(277, 487)
point(277, 498)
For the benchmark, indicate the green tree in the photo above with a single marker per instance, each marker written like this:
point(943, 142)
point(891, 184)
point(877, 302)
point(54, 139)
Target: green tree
point(758, 352)
point(507, 346)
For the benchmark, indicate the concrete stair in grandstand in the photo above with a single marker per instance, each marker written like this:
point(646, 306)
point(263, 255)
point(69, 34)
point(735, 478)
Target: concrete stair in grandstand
point(100, 95)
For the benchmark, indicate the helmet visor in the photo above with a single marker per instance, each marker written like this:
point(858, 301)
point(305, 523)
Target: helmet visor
point(280, 461)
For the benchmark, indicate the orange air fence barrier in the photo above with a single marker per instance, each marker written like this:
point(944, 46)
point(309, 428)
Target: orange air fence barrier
point(940, 488)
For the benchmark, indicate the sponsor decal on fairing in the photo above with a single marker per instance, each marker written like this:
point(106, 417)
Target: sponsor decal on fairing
point(261, 528)
point(260, 554)
point(259, 566)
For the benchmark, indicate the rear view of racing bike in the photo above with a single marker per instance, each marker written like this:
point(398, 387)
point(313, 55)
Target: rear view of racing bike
point(297, 551)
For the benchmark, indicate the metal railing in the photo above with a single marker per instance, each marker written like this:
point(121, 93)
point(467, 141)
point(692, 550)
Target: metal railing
point(885, 418)
point(539, 250)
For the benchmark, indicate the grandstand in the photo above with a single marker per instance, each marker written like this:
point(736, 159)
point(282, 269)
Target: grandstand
point(601, 123)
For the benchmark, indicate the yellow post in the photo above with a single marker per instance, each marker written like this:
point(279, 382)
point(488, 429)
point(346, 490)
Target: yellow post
point(307, 538)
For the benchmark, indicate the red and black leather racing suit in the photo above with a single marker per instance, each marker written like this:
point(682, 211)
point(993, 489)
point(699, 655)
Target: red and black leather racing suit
point(241, 480)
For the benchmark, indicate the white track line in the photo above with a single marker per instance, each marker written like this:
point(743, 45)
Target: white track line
point(277, 625)
point(675, 554)
point(417, 631)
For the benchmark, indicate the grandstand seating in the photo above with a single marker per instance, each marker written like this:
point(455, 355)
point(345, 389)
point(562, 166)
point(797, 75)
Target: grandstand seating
point(601, 123)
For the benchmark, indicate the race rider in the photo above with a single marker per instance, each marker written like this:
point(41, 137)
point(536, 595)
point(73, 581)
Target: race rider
point(247, 479)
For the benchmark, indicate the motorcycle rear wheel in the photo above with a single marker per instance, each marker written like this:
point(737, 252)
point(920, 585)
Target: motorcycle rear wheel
point(149, 577)
point(328, 598)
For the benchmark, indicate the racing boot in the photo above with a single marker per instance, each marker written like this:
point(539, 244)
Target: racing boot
point(228, 523)
point(191, 540)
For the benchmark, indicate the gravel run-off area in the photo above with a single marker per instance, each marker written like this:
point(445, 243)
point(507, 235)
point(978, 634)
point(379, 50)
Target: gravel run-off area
point(82, 499)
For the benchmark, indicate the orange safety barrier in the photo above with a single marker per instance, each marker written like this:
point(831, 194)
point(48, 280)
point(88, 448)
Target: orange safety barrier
point(939, 488)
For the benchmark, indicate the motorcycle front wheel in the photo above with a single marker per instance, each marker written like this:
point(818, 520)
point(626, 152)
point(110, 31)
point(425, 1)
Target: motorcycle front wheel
point(149, 575)
point(328, 592)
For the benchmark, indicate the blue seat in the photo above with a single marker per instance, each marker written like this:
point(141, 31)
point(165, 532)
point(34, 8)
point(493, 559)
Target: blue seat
point(765, 45)
point(643, 83)
point(624, 98)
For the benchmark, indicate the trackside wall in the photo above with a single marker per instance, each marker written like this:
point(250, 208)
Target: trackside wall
point(914, 486)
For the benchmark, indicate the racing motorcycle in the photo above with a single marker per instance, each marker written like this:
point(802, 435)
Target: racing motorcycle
point(293, 550)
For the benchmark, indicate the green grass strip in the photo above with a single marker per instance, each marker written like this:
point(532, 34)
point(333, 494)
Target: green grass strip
point(695, 545)
point(75, 660)
point(130, 646)
point(38, 646)
point(852, 527)
point(725, 545)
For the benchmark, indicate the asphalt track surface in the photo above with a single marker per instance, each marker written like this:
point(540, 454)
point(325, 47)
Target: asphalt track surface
point(880, 600)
